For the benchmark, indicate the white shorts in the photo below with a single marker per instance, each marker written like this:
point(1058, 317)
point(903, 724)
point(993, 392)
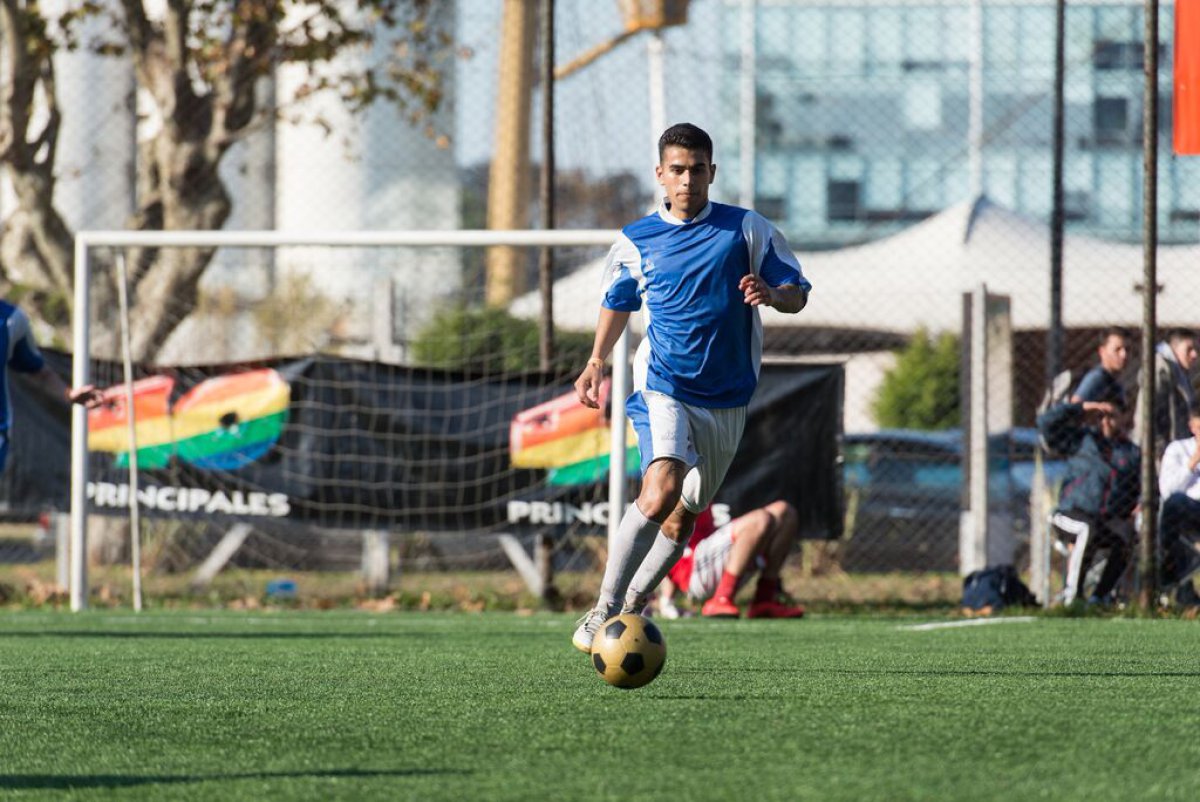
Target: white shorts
point(708, 563)
point(705, 440)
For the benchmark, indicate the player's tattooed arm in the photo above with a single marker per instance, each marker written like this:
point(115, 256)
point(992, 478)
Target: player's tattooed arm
point(788, 298)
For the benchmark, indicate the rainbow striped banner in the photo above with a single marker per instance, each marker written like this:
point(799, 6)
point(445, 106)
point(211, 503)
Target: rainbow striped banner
point(222, 423)
point(570, 440)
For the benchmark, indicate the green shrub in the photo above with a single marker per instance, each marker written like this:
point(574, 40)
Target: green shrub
point(493, 341)
point(921, 391)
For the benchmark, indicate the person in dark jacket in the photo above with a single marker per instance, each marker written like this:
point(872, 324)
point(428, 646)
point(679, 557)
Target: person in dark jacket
point(1099, 492)
point(1174, 358)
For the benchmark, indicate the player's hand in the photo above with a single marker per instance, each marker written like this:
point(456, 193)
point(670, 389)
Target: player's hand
point(587, 386)
point(88, 395)
point(756, 291)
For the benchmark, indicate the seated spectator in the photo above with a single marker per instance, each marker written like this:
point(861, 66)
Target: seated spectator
point(1099, 490)
point(1173, 393)
point(719, 561)
point(1103, 382)
point(1179, 530)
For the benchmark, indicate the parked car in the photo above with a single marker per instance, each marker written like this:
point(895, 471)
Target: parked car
point(904, 491)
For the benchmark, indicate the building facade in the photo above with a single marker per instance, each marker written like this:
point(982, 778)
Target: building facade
point(865, 107)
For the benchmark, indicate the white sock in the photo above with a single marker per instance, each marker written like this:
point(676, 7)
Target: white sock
point(662, 557)
point(633, 539)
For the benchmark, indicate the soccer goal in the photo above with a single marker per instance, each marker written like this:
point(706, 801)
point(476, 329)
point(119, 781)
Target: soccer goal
point(272, 397)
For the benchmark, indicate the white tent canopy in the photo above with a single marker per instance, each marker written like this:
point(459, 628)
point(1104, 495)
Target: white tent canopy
point(916, 278)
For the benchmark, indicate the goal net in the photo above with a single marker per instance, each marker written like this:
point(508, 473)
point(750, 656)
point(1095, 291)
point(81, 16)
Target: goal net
point(278, 395)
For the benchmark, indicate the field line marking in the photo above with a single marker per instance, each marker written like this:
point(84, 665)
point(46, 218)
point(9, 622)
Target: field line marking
point(970, 622)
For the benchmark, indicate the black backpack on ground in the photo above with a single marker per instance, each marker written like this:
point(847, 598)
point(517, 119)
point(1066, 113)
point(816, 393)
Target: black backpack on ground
point(992, 589)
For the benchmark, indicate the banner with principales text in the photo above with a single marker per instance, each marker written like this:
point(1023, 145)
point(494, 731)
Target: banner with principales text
point(1187, 77)
point(347, 444)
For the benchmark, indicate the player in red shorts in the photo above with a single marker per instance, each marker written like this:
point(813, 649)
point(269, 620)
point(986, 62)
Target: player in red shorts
point(718, 561)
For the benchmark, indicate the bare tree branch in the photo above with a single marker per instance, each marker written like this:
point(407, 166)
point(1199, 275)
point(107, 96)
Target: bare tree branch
point(200, 61)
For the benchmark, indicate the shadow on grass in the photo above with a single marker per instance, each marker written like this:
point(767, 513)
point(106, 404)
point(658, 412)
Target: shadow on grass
point(69, 781)
point(111, 633)
point(991, 672)
point(932, 672)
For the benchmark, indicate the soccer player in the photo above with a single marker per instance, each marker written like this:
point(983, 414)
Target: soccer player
point(699, 270)
point(719, 560)
point(21, 354)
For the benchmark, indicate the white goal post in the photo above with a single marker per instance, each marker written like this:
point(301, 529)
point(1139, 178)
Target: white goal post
point(85, 241)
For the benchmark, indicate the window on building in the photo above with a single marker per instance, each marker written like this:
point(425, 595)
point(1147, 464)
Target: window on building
point(1110, 120)
point(842, 201)
point(771, 207)
point(769, 127)
point(1076, 205)
point(1110, 55)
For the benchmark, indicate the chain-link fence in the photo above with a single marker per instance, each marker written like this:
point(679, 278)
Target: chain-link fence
point(904, 148)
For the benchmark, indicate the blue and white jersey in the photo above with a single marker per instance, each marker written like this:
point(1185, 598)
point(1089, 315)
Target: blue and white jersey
point(20, 353)
point(704, 342)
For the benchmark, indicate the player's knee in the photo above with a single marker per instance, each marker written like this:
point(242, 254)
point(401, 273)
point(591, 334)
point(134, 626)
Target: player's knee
point(662, 487)
point(784, 513)
point(754, 526)
point(658, 501)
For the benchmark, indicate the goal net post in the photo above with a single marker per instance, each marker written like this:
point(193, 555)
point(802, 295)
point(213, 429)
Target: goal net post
point(289, 283)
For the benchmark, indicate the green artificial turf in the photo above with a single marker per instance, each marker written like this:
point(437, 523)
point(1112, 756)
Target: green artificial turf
point(338, 705)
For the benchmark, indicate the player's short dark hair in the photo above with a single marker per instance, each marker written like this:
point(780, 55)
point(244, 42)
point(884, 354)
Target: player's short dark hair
point(1114, 331)
point(686, 136)
point(1194, 409)
point(1178, 335)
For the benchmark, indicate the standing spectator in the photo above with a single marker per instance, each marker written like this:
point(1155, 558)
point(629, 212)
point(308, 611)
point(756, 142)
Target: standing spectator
point(21, 354)
point(1099, 491)
point(1103, 382)
point(1179, 486)
point(1173, 391)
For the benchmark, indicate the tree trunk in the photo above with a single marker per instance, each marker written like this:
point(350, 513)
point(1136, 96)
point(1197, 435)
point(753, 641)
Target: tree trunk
point(189, 196)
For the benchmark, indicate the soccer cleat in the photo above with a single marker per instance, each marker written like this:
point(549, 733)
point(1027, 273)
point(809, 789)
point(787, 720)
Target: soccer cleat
point(720, 607)
point(585, 633)
point(781, 607)
point(667, 609)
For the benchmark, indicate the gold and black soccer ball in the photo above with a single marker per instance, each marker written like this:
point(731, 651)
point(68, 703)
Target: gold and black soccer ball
point(629, 651)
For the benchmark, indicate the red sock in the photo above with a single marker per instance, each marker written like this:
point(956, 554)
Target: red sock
point(728, 585)
point(767, 589)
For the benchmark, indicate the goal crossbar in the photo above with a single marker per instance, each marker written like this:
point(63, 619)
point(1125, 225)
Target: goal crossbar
point(81, 334)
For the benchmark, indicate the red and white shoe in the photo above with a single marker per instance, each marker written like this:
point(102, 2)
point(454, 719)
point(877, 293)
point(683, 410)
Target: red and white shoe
point(720, 607)
point(781, 607)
